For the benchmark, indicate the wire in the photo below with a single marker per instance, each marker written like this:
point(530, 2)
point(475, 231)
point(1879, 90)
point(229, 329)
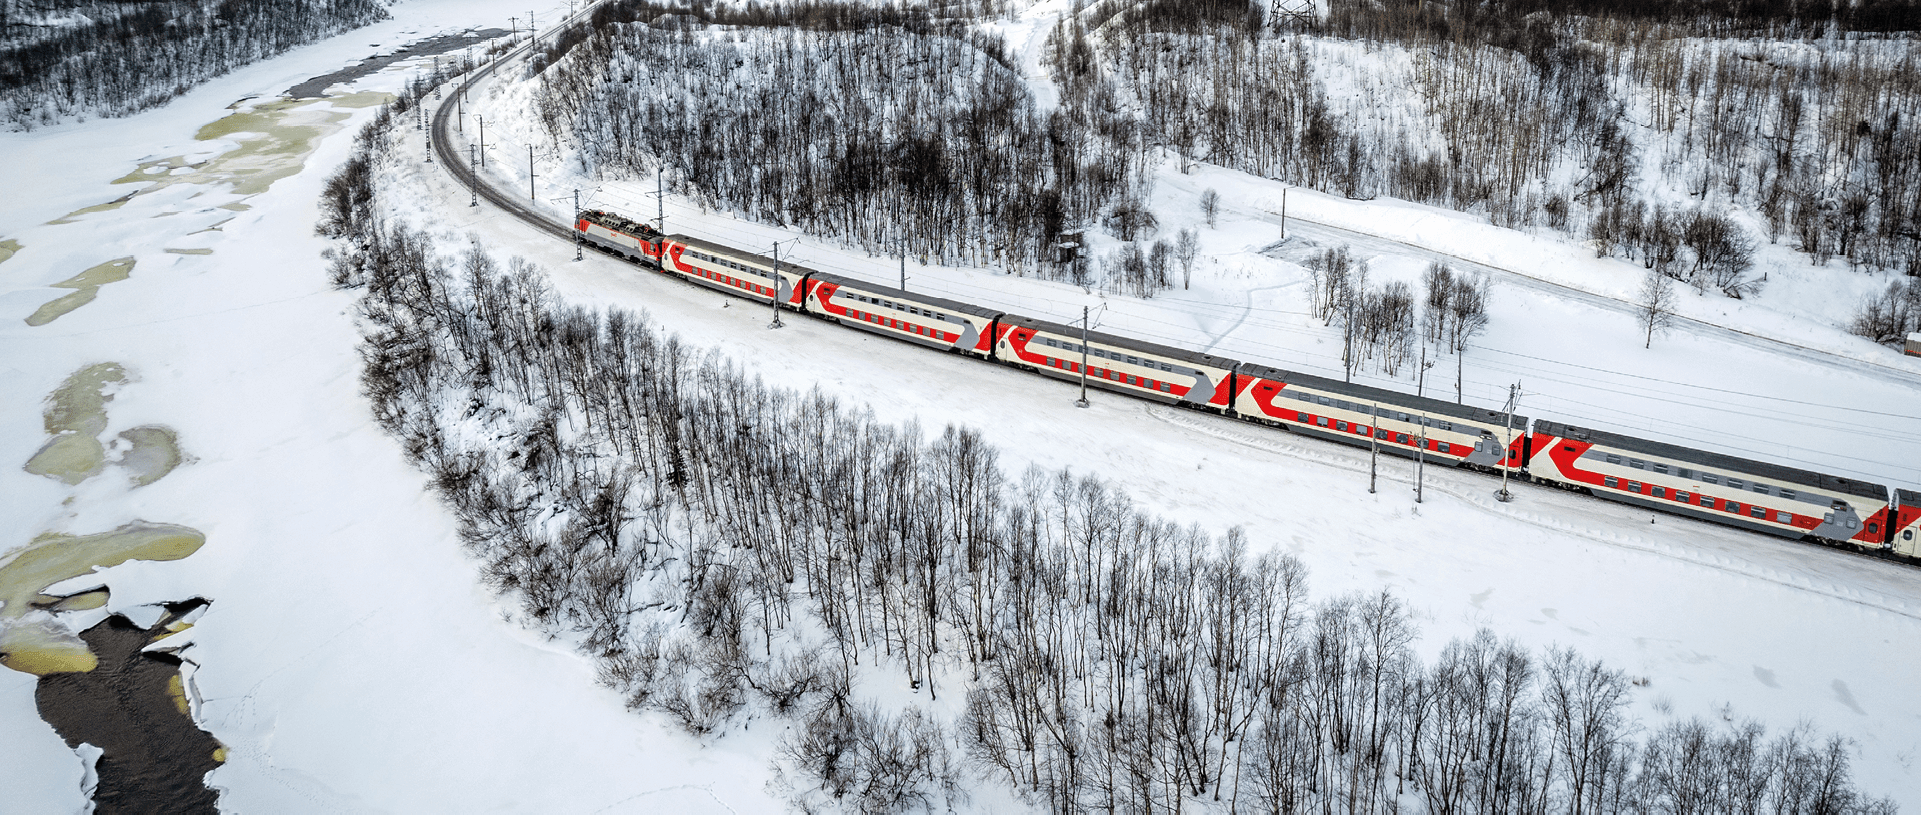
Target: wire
point(1692, 385)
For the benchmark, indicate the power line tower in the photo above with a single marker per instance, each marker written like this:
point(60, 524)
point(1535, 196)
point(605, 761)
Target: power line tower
point(1291, 15)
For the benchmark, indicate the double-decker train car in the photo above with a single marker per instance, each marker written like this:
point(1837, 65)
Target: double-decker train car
point(1723, 489)
point(903, 315)
point(1754, 495)
point(733, 271)
point(1904, 533)
point(1121, 364)
point(1442, 432)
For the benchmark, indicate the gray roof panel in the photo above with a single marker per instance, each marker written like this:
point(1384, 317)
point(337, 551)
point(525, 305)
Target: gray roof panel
point(1117, 341)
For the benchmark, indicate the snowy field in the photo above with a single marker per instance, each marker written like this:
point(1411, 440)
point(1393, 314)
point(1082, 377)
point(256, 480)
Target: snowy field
point(351, 662)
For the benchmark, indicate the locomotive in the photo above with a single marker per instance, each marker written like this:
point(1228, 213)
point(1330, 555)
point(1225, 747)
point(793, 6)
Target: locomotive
point(1753, 495)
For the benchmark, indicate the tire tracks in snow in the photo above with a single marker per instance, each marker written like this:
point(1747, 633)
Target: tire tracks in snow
point(1367, 240)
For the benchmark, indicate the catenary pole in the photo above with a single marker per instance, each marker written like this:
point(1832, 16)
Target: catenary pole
point(473, 192)
point(1373, 448)
point(576, 226)
point(1513, 397)
point(775, 299)
point(1083, 400)
point(1420, 462)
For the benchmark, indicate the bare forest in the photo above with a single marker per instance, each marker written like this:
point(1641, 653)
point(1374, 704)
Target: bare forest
point(74, 58)
point(1634, 125)
point(897, 130)
point(727, 551)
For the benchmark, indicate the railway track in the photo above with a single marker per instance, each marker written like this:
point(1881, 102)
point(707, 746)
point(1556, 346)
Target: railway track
point(457, 166)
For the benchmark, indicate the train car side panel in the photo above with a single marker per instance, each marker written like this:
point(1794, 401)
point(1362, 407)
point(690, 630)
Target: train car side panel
point(1720, 489)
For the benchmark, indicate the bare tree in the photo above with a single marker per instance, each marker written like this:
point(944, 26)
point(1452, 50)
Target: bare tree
point(1467, 318)
point(1210, 205)
point(1187, 248)
point(1656, 305)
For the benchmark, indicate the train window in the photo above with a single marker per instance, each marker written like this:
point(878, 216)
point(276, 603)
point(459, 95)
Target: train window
point(1680, 496)
point(1300, 417)
point(1661, 468)
point(1634, 486)
point(1166, 388)
point(1340, 425)
point(1637, 464)
point(1683, 472)
point(1851, 522)
point(1321, 420)
point(1710, 478)
point(1758, 512)
point(1400, 438)
point(1735, 483)
point(1731, 506)
point(1788, 494)
point(1660, 492)
point(1907, 535)
point(1613, 482)
point(1707, 501)
point(1449, 426)
point(1873, 528)
point(1761, 488)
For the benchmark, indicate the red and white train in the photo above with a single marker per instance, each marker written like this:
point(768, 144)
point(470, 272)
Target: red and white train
point(1707, 486)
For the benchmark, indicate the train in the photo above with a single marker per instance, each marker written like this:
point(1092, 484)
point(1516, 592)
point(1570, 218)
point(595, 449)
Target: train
point(1753, 495)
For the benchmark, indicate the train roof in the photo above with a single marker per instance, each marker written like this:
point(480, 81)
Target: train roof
point(729, 251)
point(1118, 341)
point(618, 221)
point(907, 296)
point(1407, 402)
point(1735, 464)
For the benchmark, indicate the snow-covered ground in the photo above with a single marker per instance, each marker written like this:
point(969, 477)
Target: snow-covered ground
point(350, 661)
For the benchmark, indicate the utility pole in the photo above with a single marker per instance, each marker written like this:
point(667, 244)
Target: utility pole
point(576, 225)
point(530, 26)
point(460, 114)
point(1283, 213)
point(660, 199)
point(776, 298)
point(1373, 448)
point(427, 141)
point(1420, 462)
point(530, 172)
point(1459, 355)
point(483, 141)
point(473, 192)
point(1083, 400)
point(1420, 385)
point(1513, 398)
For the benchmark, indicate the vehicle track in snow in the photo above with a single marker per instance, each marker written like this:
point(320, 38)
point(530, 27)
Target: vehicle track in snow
point(1324, 233)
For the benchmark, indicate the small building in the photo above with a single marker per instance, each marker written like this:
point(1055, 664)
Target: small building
point(1914, 344)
